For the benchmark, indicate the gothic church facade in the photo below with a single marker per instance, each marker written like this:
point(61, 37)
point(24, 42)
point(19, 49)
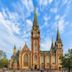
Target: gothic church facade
point(35, 58)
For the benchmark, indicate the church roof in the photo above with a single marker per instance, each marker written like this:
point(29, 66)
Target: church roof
point(45, 52)
point(25, 48)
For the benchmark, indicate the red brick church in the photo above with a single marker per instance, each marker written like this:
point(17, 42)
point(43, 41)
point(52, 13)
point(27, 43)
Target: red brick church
point(35, 58)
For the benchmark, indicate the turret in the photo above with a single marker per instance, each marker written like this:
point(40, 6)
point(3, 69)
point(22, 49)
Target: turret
point(53, 49)
point(58, 42)
point(14, 50)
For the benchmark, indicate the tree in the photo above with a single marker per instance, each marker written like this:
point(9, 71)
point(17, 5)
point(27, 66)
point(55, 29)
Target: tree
point(3, 62)
point(2, 54)
point(66, 60)
point(3, 59)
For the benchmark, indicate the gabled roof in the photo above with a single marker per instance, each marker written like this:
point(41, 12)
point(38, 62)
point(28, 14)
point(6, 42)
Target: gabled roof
point(25, 48)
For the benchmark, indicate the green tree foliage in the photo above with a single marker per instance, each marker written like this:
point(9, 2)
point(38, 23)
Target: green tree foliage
point(3, 60)
point(67, 60)
point(2, 54)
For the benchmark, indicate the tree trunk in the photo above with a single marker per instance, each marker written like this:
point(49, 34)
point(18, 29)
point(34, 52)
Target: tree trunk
point(69, 69)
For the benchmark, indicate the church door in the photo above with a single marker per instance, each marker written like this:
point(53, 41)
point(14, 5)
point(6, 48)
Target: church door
point(35, 67)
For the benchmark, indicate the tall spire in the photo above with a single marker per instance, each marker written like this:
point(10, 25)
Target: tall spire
point(14, 46)
point(58, 38)
point(35, 17)
point(52, 45)
point(14, 50)
point(53, 49)
point(35, 22)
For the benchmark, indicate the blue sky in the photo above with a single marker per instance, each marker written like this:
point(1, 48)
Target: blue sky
point(16, 20)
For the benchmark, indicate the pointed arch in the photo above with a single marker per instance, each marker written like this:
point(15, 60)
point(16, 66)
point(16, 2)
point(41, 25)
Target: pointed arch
point(35, 58)
point(54, 59)
point(26, 60)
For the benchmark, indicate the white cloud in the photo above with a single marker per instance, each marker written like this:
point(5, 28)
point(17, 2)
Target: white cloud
point(45, 2)
point(46, 44)
point(50, 1)
point(11, 27)
point(7, 30)
point(46, 18)
point(1, 16)
point(24, 8)
point(57, 17)
point(29, 22)
point(28, 4)
point(45, 24)
point(54, 10)
point(61, 25)
point(60, 22)
point(16, 28)
point(8, 39)
point(66, 2)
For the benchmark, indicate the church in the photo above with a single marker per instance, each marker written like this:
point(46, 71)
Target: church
point(35, 58)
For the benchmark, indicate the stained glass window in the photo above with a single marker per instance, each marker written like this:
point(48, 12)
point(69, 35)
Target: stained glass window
point(35, 58)
point(54, 59)
point(25, 60)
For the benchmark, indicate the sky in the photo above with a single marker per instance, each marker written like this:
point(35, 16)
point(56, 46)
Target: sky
point(16, 20)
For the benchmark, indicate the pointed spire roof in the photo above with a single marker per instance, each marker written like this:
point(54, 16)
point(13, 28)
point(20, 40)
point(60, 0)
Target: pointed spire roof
point(58, 38)
point(35, 22)
point(53, 44)
point(14, 50)
point(58, 34)
point(14, 46)
point(53, 49)
point(35, 18)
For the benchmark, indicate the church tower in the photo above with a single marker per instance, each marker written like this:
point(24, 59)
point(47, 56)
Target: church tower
point(53, 56)
point(35, 43)
point(59, 49)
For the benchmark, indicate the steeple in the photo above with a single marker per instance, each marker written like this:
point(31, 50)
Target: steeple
point(35, 18)
point(58, 35)
point(14, 50)
point(35, 22)
point(58, 38)
point(14, 46)
point(52, 45)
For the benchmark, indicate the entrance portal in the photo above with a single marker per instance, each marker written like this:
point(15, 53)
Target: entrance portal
point(35, 67)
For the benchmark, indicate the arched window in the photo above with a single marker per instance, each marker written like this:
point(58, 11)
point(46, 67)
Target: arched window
point(54, 59)
point(35, 58)
point(25, 60)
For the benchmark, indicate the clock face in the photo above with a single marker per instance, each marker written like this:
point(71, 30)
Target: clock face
point(35, 45)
